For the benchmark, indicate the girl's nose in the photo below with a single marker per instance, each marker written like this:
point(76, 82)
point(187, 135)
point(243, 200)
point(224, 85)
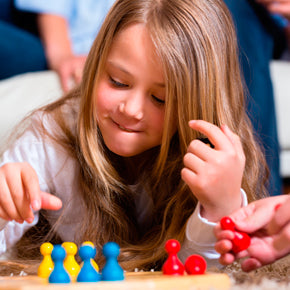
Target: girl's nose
point(133, 106)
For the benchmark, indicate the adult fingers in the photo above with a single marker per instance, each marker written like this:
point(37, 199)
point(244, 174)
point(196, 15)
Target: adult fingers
point(223, 234)
point(281, 241)
point(250, 264)
point(66, 79)
point(226, 259)
point(78, 73)
point(251, 218)
point(280, 218)
point(223, 246)
point(280, 7)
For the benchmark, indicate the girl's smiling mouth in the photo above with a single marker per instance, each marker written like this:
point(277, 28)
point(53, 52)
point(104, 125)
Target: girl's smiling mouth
point(124, 128)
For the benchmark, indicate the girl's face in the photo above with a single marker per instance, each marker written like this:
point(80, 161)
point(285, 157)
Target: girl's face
point(130, 94)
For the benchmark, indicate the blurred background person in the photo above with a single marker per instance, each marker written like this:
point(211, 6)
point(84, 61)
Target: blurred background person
point(261, 38)
point(64, 30)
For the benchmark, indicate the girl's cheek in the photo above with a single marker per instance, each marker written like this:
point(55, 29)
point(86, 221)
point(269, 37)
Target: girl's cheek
point(103, 96)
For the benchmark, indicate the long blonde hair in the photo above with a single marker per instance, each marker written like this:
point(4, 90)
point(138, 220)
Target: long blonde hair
point(196, 43)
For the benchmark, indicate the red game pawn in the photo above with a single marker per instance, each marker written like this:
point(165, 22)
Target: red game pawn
point(172, 265)
point(195, 265)
point(227, 223)
point(241, 240)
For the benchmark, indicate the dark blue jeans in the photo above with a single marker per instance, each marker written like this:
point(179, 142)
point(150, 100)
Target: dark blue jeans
point(256, 44)
point(20, 48)
point(20, 51)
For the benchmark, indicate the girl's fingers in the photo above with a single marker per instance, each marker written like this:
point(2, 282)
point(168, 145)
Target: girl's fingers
point(214, 134)
point(37, 198)
point(20, 193)
point(234, 138)
point(20, 197)
point(192, 161)
point(4, 215)
point(7, 201)
point(31, 186)
point(200, 149)
point(49, 201)
point(188, 176)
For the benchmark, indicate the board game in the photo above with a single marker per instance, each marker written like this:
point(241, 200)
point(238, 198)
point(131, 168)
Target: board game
point(133, 281)
point(59, 270)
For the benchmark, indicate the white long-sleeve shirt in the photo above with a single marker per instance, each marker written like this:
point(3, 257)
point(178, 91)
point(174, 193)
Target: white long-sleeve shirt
point(57, 173)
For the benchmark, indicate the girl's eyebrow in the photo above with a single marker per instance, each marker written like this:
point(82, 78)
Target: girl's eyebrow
point(121, 68)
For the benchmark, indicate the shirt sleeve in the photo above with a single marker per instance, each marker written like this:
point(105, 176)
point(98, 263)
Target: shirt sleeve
point(60, 7)
point(200, 238)
point(28, 148)
point(11, 232)
point(57, 173)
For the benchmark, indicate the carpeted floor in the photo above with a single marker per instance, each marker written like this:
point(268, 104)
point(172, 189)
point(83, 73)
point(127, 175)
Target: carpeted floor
point(272, 277)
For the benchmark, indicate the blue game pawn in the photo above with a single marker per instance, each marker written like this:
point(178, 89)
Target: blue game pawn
point(59, 274)
point(88, 272)
point(112, 271)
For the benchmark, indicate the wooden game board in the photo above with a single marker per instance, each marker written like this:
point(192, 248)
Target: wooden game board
point(133, 281)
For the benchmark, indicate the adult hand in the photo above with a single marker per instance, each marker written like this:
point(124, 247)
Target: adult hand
point(281, 7)
point(267, 223)
point(54, 31)
point(69, 70)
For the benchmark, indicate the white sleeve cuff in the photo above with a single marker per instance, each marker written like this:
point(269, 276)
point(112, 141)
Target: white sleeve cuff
point(199, 235)
point(200, 229)
point(244, 198)
point(13, 231)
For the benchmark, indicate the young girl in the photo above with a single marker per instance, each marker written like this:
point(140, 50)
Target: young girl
point(121, 153)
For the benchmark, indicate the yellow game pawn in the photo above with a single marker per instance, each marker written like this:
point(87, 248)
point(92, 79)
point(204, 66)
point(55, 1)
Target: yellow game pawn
point(46, 266)
point(70, 264)
point(93, 262)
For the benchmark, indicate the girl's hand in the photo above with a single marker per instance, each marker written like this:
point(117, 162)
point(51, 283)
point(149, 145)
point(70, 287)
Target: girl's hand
point(269, 228)
point(214, 175)
point(20, 193)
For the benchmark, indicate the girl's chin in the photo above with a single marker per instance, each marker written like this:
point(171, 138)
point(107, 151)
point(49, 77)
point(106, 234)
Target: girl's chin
point(124, 152)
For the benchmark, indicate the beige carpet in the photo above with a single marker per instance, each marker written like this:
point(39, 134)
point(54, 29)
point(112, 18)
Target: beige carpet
point(272, 277)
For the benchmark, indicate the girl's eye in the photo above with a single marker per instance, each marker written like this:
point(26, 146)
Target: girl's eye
point(159, 101)
point(117, 84)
